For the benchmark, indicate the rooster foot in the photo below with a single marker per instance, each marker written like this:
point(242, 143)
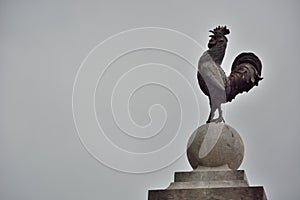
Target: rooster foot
point(217, 120)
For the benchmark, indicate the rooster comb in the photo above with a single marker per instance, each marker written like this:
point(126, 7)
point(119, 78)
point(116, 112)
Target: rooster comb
point(221, 29)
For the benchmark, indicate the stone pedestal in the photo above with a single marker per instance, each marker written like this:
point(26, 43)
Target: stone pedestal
point(215, 152)
point(209, 184)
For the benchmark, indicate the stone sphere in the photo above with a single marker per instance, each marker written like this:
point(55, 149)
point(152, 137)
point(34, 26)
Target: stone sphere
point(215, 145)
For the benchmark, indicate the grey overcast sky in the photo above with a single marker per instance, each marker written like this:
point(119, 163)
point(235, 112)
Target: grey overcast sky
point(43, 44)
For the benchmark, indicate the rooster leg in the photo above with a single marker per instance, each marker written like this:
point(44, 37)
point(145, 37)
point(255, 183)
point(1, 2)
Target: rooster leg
point(211, 115)
point(213, 109)
point(220, 118)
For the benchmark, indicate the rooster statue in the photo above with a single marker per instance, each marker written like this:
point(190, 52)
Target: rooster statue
point(245, 73)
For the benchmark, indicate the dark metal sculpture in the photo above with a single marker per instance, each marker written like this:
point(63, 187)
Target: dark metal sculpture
point(245, 73)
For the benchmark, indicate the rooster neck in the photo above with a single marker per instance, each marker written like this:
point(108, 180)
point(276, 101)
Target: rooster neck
point(217, 53)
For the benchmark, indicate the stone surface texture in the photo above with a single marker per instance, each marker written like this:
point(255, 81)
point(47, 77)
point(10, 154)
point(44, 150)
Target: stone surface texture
point(233, 193)
point(215, 145)
point(226, 175)
point(209, 185)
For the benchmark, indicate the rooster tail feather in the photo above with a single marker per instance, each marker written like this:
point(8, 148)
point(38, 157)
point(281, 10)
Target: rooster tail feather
point(245, 74)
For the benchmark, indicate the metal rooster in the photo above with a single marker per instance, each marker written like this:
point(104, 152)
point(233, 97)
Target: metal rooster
point(245, 73)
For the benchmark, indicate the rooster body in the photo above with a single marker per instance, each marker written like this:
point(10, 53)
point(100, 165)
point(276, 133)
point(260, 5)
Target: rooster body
point(245, 73)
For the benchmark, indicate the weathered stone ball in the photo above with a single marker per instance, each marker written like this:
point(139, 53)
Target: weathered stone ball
point(215, 145)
